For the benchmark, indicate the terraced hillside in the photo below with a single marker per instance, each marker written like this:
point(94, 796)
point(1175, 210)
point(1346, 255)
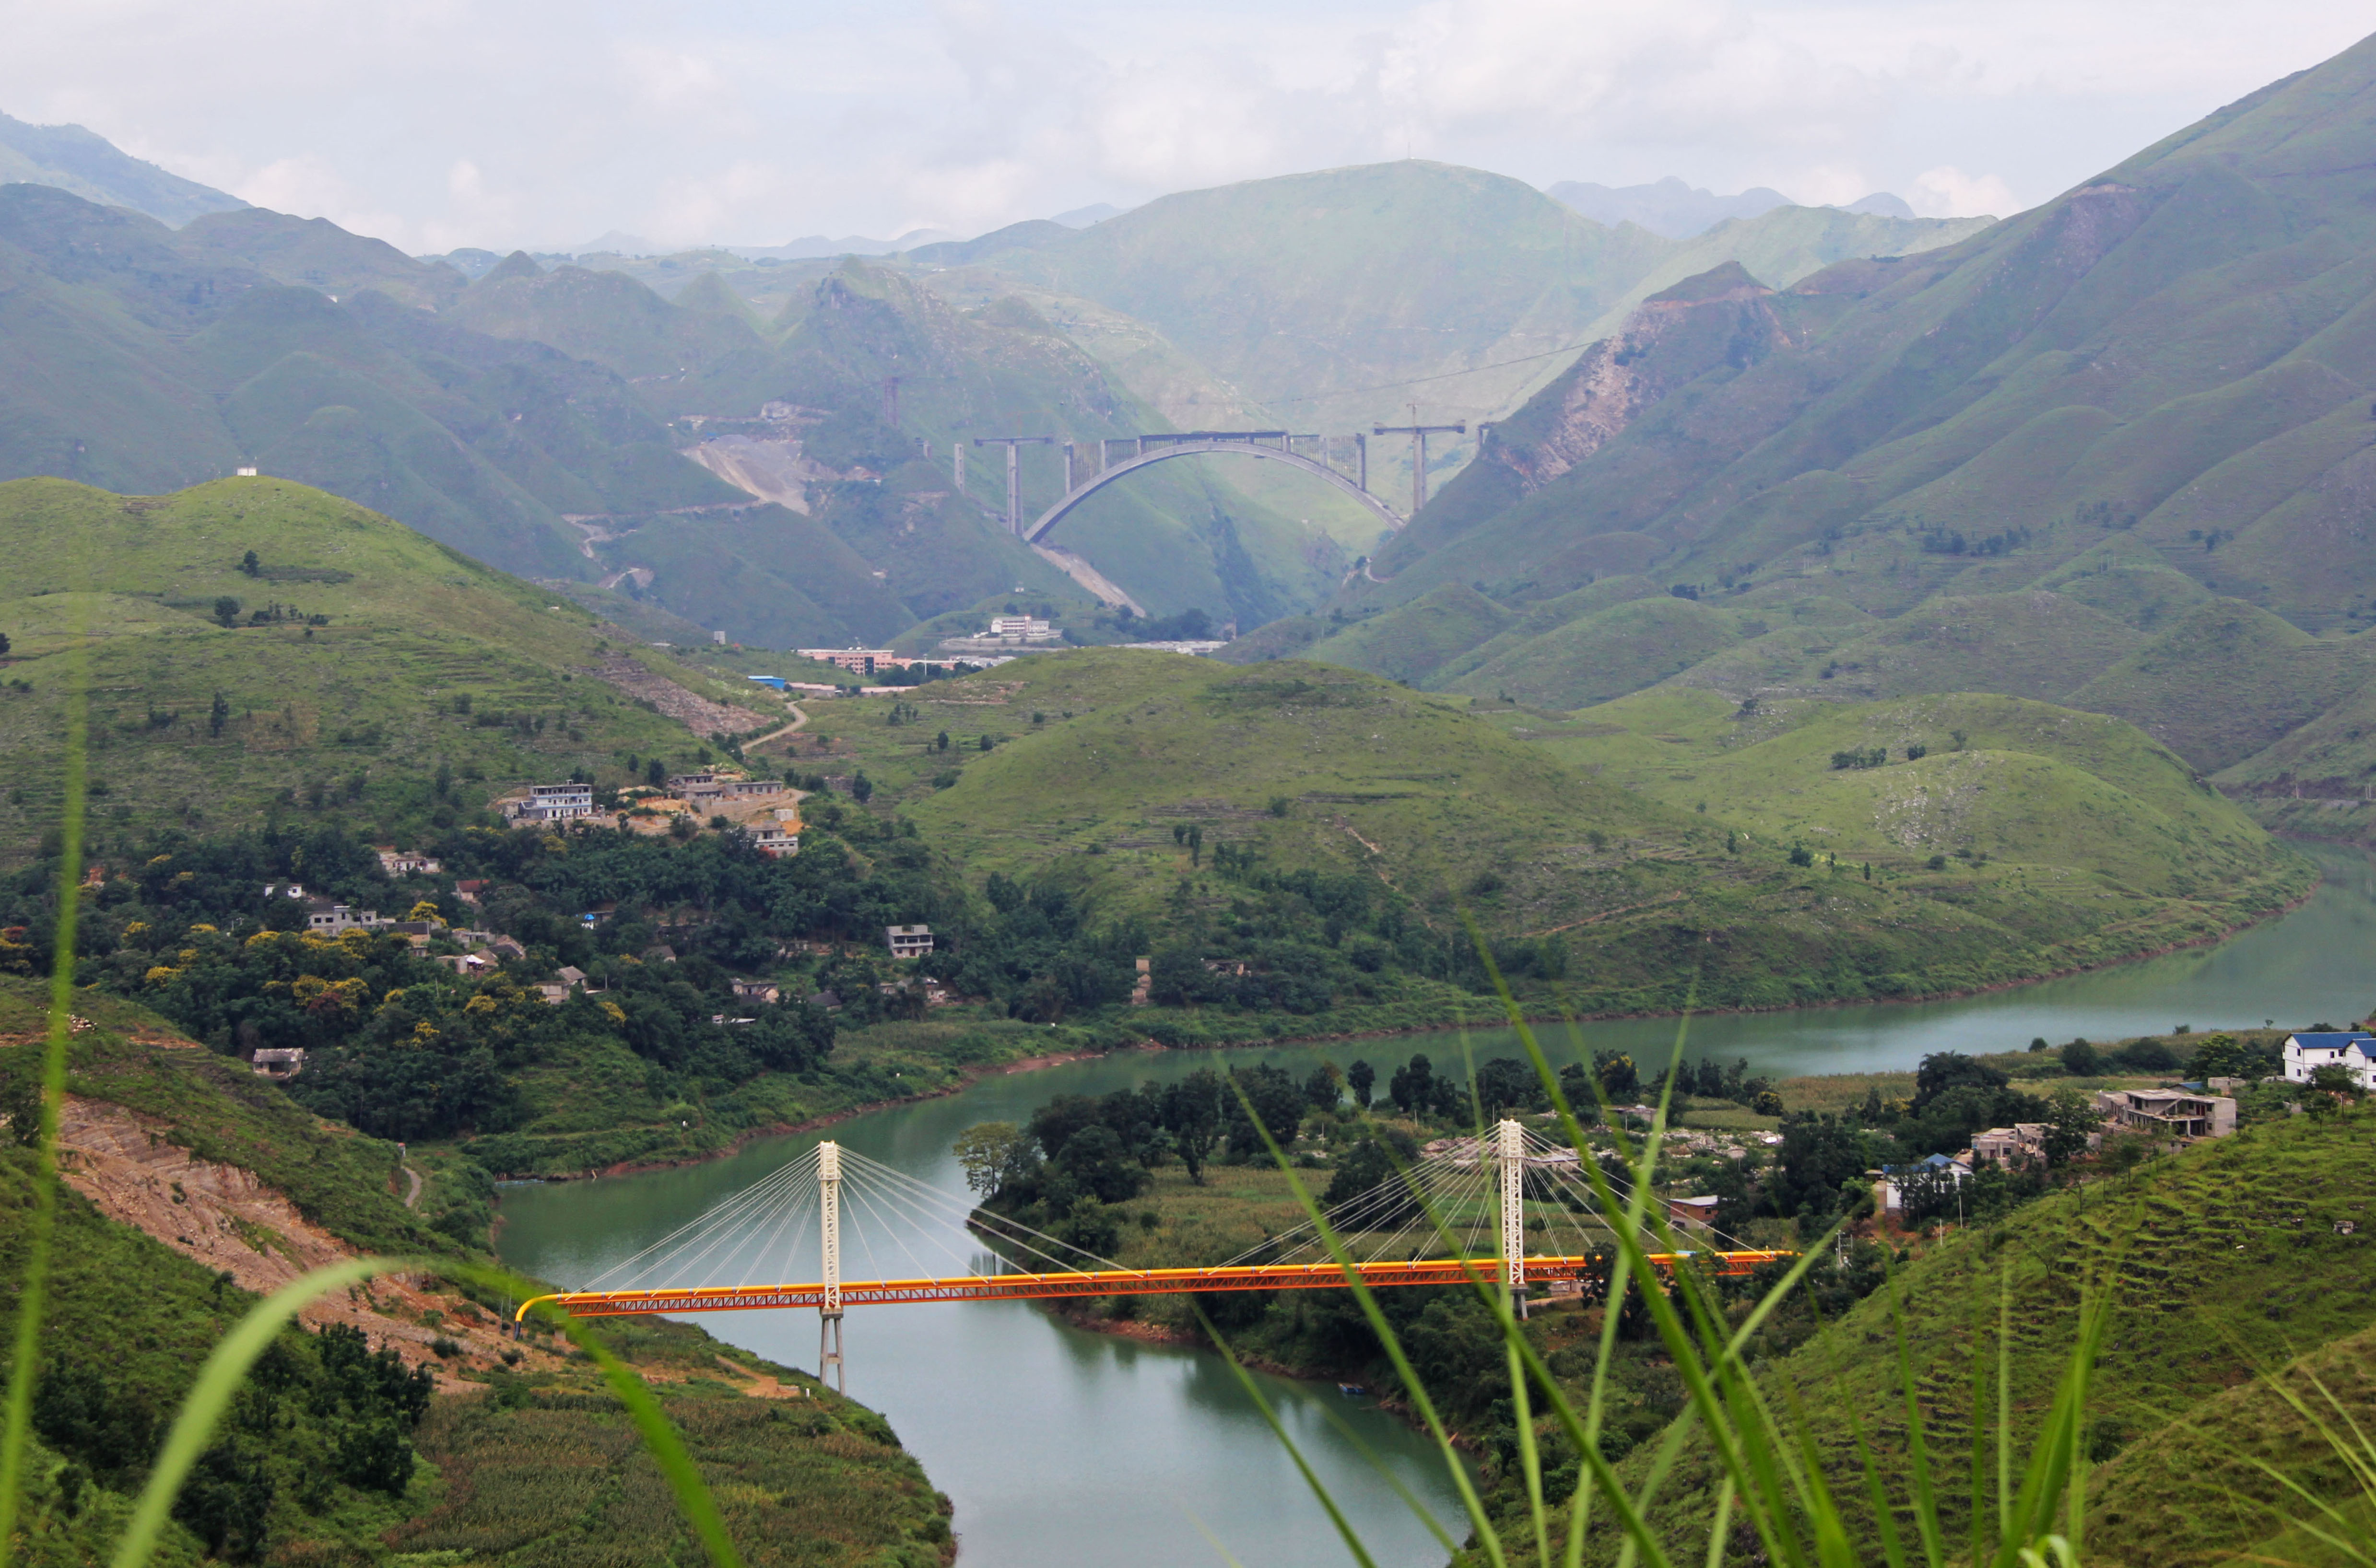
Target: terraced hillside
point(360, 667)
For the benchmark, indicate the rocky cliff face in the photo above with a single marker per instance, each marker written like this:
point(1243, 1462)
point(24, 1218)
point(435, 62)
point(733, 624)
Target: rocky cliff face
point(1717, 318)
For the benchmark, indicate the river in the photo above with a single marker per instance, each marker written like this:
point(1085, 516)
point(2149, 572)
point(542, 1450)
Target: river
point(1067, 1449)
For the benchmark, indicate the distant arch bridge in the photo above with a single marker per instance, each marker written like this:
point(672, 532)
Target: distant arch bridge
point(1204, 445)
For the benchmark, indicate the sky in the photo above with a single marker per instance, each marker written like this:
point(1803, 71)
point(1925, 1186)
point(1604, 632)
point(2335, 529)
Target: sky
point(437, 124)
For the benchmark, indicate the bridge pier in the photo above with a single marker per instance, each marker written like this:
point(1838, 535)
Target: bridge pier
point(1510, 1141)
point(829, 1365)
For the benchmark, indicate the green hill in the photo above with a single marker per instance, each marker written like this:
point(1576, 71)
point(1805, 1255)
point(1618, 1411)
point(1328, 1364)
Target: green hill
point(144, 360)
point(2147, 398)
point(93, 168)
point(1300, 766)
point(2233, 1257)
point(2033, 644)
point(490, 1456)
point(423, 660)
point(1605, 653)
point(1411, 641)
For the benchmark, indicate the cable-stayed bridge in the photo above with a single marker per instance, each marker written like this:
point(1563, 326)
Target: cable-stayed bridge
point(1512, 1209)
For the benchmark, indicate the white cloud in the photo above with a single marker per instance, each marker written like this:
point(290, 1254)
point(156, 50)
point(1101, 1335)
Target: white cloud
point(1948, 192)
point(540, 123)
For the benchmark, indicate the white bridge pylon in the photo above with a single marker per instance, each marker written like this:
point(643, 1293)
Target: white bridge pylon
point(1461, 1214)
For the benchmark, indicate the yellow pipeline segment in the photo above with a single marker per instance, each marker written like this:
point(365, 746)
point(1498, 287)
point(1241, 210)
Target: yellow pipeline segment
point(1109, 1282)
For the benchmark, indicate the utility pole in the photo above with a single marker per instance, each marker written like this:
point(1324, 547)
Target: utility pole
point(959, 447)
point(1419, 433)
point(891, 401)
point(829, 1239)
point(1069, 467)
point(1014, 489)
point(1511, 1150)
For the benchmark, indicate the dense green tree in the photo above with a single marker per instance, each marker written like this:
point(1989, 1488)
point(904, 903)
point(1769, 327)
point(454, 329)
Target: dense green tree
point(1360, 1077)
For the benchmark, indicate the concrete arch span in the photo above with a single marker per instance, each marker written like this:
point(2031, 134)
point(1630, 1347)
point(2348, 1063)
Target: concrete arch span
point(1055, 514)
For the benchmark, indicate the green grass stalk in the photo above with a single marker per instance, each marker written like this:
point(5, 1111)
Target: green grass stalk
point(32, 1298)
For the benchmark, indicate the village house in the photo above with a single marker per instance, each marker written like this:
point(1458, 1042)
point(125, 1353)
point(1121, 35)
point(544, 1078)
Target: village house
point(756, 990)
point(279, 1063)
point(2177, 1115)
point(2017, 1145)
point(325, 919)
point(550, 803)
point(1895, 1177)
point(771, 839)
point(508, 947)
point(403, 863)
point(284, 890)
point(2352, 1050)
point(469, 891)
point(469, 966)
point(908, 940)
point(692, 787)
point(1692, 1214)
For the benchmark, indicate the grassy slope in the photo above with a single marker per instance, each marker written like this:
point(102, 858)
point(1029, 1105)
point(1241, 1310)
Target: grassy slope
point(1411, 641)
point(146, 360)
point(1132, 745)
point(413, 626)
point(2144, 396)
point(1606, 653)
point(822, 1478)
point(2091, 834)
point(2225, 1259)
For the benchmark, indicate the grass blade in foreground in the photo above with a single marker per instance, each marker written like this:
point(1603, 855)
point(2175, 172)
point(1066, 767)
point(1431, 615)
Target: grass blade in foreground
point(33, 1297)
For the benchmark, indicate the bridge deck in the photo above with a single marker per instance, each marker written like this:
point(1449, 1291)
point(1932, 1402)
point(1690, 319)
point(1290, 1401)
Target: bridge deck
point(1110, 1282)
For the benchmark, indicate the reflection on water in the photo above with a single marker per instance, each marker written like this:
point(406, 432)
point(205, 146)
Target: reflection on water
point(1067, 1448)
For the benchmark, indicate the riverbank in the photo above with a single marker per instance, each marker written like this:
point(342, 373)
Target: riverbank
point(885, 1066)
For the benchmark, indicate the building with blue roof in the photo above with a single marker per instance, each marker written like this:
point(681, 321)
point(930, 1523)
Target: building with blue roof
point(2354, 1050)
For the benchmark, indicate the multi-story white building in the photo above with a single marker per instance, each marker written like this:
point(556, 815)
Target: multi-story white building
point(552, 802)
point(2353, 1050)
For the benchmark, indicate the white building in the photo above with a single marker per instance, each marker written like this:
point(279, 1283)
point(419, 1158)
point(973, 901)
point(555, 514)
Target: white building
point(325, 919)
point(552, 802)
point(908, 940)
point(398, 862)
point(1021, 629)
point(2354, 1050)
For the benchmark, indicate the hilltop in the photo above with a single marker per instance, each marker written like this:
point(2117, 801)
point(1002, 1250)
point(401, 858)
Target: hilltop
point(364, 668)
point(73, 159)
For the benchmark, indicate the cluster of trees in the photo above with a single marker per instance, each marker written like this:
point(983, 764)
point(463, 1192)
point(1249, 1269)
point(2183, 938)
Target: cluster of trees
point(1819, 1171)
point(404, 1047)
point(316, 1412)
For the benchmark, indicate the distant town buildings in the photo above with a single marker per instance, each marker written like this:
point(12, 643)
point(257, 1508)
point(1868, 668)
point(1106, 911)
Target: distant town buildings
point(403, 863)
